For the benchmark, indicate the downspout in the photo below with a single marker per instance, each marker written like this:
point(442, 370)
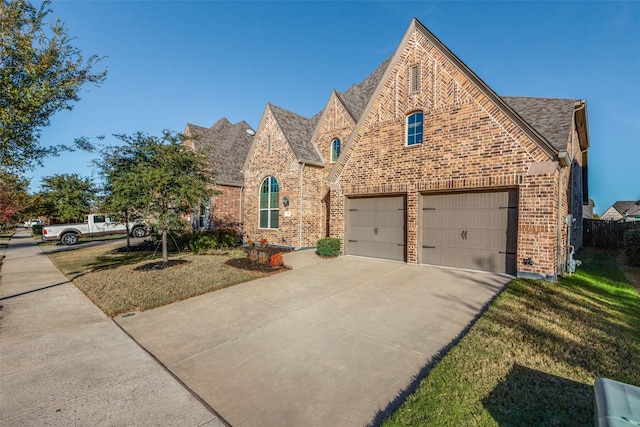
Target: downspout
point(301, 200)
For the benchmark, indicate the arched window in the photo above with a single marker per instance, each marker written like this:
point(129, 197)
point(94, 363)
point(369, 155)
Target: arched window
point(335, 150)
point(414, 128)
point(269, 195)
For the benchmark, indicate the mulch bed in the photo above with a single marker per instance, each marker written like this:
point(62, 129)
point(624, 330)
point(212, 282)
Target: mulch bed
point(253, 265)
point(250, 265)
point(144, 246)
point(159, 265)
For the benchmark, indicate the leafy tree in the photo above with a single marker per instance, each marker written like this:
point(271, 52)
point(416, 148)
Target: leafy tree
point(157, 176)
point(68, 197)
point(14, 198)
point(41, 73)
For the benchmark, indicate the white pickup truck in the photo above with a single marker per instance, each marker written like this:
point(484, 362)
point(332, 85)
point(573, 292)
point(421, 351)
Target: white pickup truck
point(94, 225)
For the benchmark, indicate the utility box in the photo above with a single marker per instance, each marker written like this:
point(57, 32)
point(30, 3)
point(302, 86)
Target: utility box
point(616, 404)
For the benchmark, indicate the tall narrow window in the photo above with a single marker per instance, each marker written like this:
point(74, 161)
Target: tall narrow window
point(414, 128)
point(414, 80)
point(269, 195)
point(335, 150)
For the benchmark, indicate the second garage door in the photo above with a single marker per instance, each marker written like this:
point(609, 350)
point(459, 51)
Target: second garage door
point(376, 227)
point(470, 230)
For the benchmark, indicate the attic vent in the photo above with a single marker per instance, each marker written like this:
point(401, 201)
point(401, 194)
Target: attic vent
point(414, 79)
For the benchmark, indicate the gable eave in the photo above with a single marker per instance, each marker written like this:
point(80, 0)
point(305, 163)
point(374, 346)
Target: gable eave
point(582, 124)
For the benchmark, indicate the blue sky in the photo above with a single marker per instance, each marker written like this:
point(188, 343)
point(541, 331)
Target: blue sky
point(178, 62)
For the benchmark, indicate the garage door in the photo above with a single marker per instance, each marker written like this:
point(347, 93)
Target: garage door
point(375, 227)
point(470, 230)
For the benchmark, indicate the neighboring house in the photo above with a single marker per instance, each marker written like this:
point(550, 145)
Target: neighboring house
point(423, 163)
point(623, 211)
point(227, 146)
point(587, 210)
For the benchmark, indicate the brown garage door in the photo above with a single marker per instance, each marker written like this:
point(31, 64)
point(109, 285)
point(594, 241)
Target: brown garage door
point(375, 227)
point(470, 230)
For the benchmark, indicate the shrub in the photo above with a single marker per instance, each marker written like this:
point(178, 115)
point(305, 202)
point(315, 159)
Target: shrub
point(36, 229)
point(632, 246)
point(276, 260)
point(227, 237)
point(214, 239)
point(329, 247)
point(203, 241)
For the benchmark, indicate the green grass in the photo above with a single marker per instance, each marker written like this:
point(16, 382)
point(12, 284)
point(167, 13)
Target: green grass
point(532, 358)
point(110, 279)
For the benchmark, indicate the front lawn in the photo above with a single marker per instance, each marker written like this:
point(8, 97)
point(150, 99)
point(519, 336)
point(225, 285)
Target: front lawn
point(533, 357)
point(119, 282)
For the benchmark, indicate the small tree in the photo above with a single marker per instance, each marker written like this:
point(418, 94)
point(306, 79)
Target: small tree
point(68, 197)
point(163, 178)
point(41, 73)
point(124, 195)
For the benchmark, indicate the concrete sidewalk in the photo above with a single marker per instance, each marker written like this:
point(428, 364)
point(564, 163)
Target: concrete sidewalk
point(64, 363)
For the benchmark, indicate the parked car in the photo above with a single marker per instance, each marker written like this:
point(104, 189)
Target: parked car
point(94, 225)
point(32, 222)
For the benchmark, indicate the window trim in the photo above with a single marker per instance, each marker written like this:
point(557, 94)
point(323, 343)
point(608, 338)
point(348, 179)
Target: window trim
point(269, 209)
point(415, 125)
point(335, 152)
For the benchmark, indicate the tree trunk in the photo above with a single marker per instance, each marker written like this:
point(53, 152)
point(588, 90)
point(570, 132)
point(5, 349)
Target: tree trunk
point(128, 247)
point(165, 255)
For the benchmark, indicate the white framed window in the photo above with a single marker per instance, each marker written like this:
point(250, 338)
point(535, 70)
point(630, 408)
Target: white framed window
point(269, 203)
point(415, 128)
point(335, 149)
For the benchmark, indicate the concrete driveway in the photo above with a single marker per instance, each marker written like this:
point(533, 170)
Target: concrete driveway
point(331, 342)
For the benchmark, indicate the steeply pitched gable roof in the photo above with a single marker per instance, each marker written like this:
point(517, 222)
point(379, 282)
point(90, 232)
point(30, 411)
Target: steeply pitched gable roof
point(499, 102)
point(298, 131)
point(227, 146)
point(552, 118)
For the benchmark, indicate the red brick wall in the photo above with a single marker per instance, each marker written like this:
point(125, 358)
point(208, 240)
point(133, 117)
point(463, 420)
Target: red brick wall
point(225, 207)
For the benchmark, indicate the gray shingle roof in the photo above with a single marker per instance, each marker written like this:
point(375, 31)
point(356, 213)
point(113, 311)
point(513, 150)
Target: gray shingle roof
point(357, 96)
point(227, 146)
point(551, 117)
point(298, 131)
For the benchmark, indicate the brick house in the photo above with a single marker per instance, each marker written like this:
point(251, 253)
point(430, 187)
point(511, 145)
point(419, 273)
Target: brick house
point(226, 146)
point(423, 163)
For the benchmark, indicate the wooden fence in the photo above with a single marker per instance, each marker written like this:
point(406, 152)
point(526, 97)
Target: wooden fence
point(606, 234)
